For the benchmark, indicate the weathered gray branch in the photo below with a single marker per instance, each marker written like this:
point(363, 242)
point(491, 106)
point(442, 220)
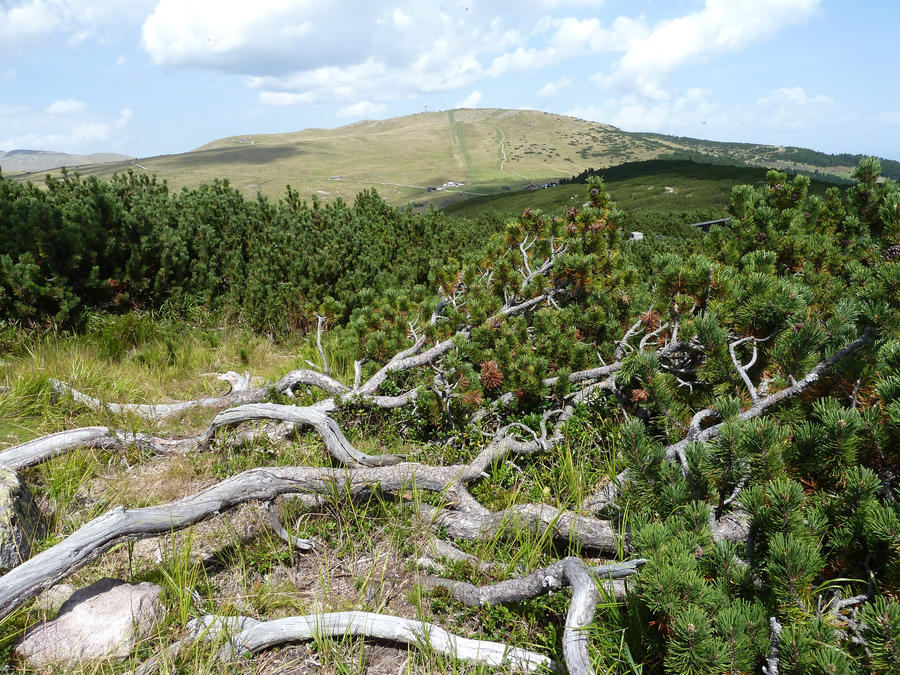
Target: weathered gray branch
point(283, 534)
point(608, 493)
point(537, 518)
point(540, 582)
point(567, 572)
point(438, 548)
point(47, 447)
point(237, 396)
point(264, 484)
point(327, 428)
point(248, 635)
point(578, 618)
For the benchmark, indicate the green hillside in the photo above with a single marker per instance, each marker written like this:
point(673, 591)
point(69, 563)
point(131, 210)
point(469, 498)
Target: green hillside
point(488, 149)
point(651, 185)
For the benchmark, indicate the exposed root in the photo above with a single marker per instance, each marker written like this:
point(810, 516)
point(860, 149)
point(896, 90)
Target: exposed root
point(328, 429)
point(243, 635)
point(567, 572)
point(47, 447)
point(537, 518)
point(540, 582)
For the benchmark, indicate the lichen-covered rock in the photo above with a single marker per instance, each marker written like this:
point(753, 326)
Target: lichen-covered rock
point(104, 620)
point(19, 520)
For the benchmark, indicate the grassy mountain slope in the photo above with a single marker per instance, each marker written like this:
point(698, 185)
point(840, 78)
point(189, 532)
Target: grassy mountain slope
point(650, 185)
point(486, 148)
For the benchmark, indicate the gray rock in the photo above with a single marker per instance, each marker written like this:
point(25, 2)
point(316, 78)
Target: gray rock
point(104, 620)
point(19, 520)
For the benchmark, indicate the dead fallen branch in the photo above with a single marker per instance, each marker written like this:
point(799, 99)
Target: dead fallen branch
point(243, 635)
point(47, 447)
point(327, 428)
point(566, 526)
point(569, 572)
point(540, 582)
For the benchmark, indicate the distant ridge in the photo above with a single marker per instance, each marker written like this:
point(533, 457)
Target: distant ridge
point(438, 158)
point(20, 161)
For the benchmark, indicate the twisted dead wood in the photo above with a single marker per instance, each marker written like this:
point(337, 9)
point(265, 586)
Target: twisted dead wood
point(327, 428)
point(565, 525)
point(47, 447)
point(570, 572)
point(608, 493)
point(248, 635)
point(540, 582)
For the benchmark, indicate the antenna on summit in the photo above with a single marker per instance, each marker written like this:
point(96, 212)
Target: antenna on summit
point(426, 108)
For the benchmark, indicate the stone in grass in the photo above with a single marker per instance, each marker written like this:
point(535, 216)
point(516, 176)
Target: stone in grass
point(19, 520)
point(105, 620)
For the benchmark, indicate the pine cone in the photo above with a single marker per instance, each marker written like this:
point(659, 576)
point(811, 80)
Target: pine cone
point(491, 377)
point(892, 252)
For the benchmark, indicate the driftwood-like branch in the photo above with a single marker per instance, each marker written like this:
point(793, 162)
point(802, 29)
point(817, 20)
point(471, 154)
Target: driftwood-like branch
point(264, 484)
point(47, 447)
point(437, 549)
point(743, 368)
point(540, 582)
point(567, 572)
point(565, 525)
point(244, 635)
point(761, 405)
point(578, 618)
point(237, 396)
point(319, 325)
point(327, 428)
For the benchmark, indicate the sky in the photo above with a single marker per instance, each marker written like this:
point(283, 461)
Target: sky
point(150, 77)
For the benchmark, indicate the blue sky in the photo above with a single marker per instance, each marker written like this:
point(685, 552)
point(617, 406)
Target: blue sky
point(148, 77)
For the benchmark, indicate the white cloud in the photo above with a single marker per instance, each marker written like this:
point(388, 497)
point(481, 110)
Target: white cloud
point(792, 95)
point(774, 118)
point(342, 51)
point(24, 128)
point(631, 112)
point(470, 101)
point(721, 26)
point(67, 106)
point(124, 118)
point(790, 108)
point(552, 89)
point(28, 22)
point(361, 56)
point(362, 109)
point(401, 20)
point(120, 61)
point(283, 98)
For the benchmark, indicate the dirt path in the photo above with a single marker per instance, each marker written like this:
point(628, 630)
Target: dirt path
point(503, 154)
